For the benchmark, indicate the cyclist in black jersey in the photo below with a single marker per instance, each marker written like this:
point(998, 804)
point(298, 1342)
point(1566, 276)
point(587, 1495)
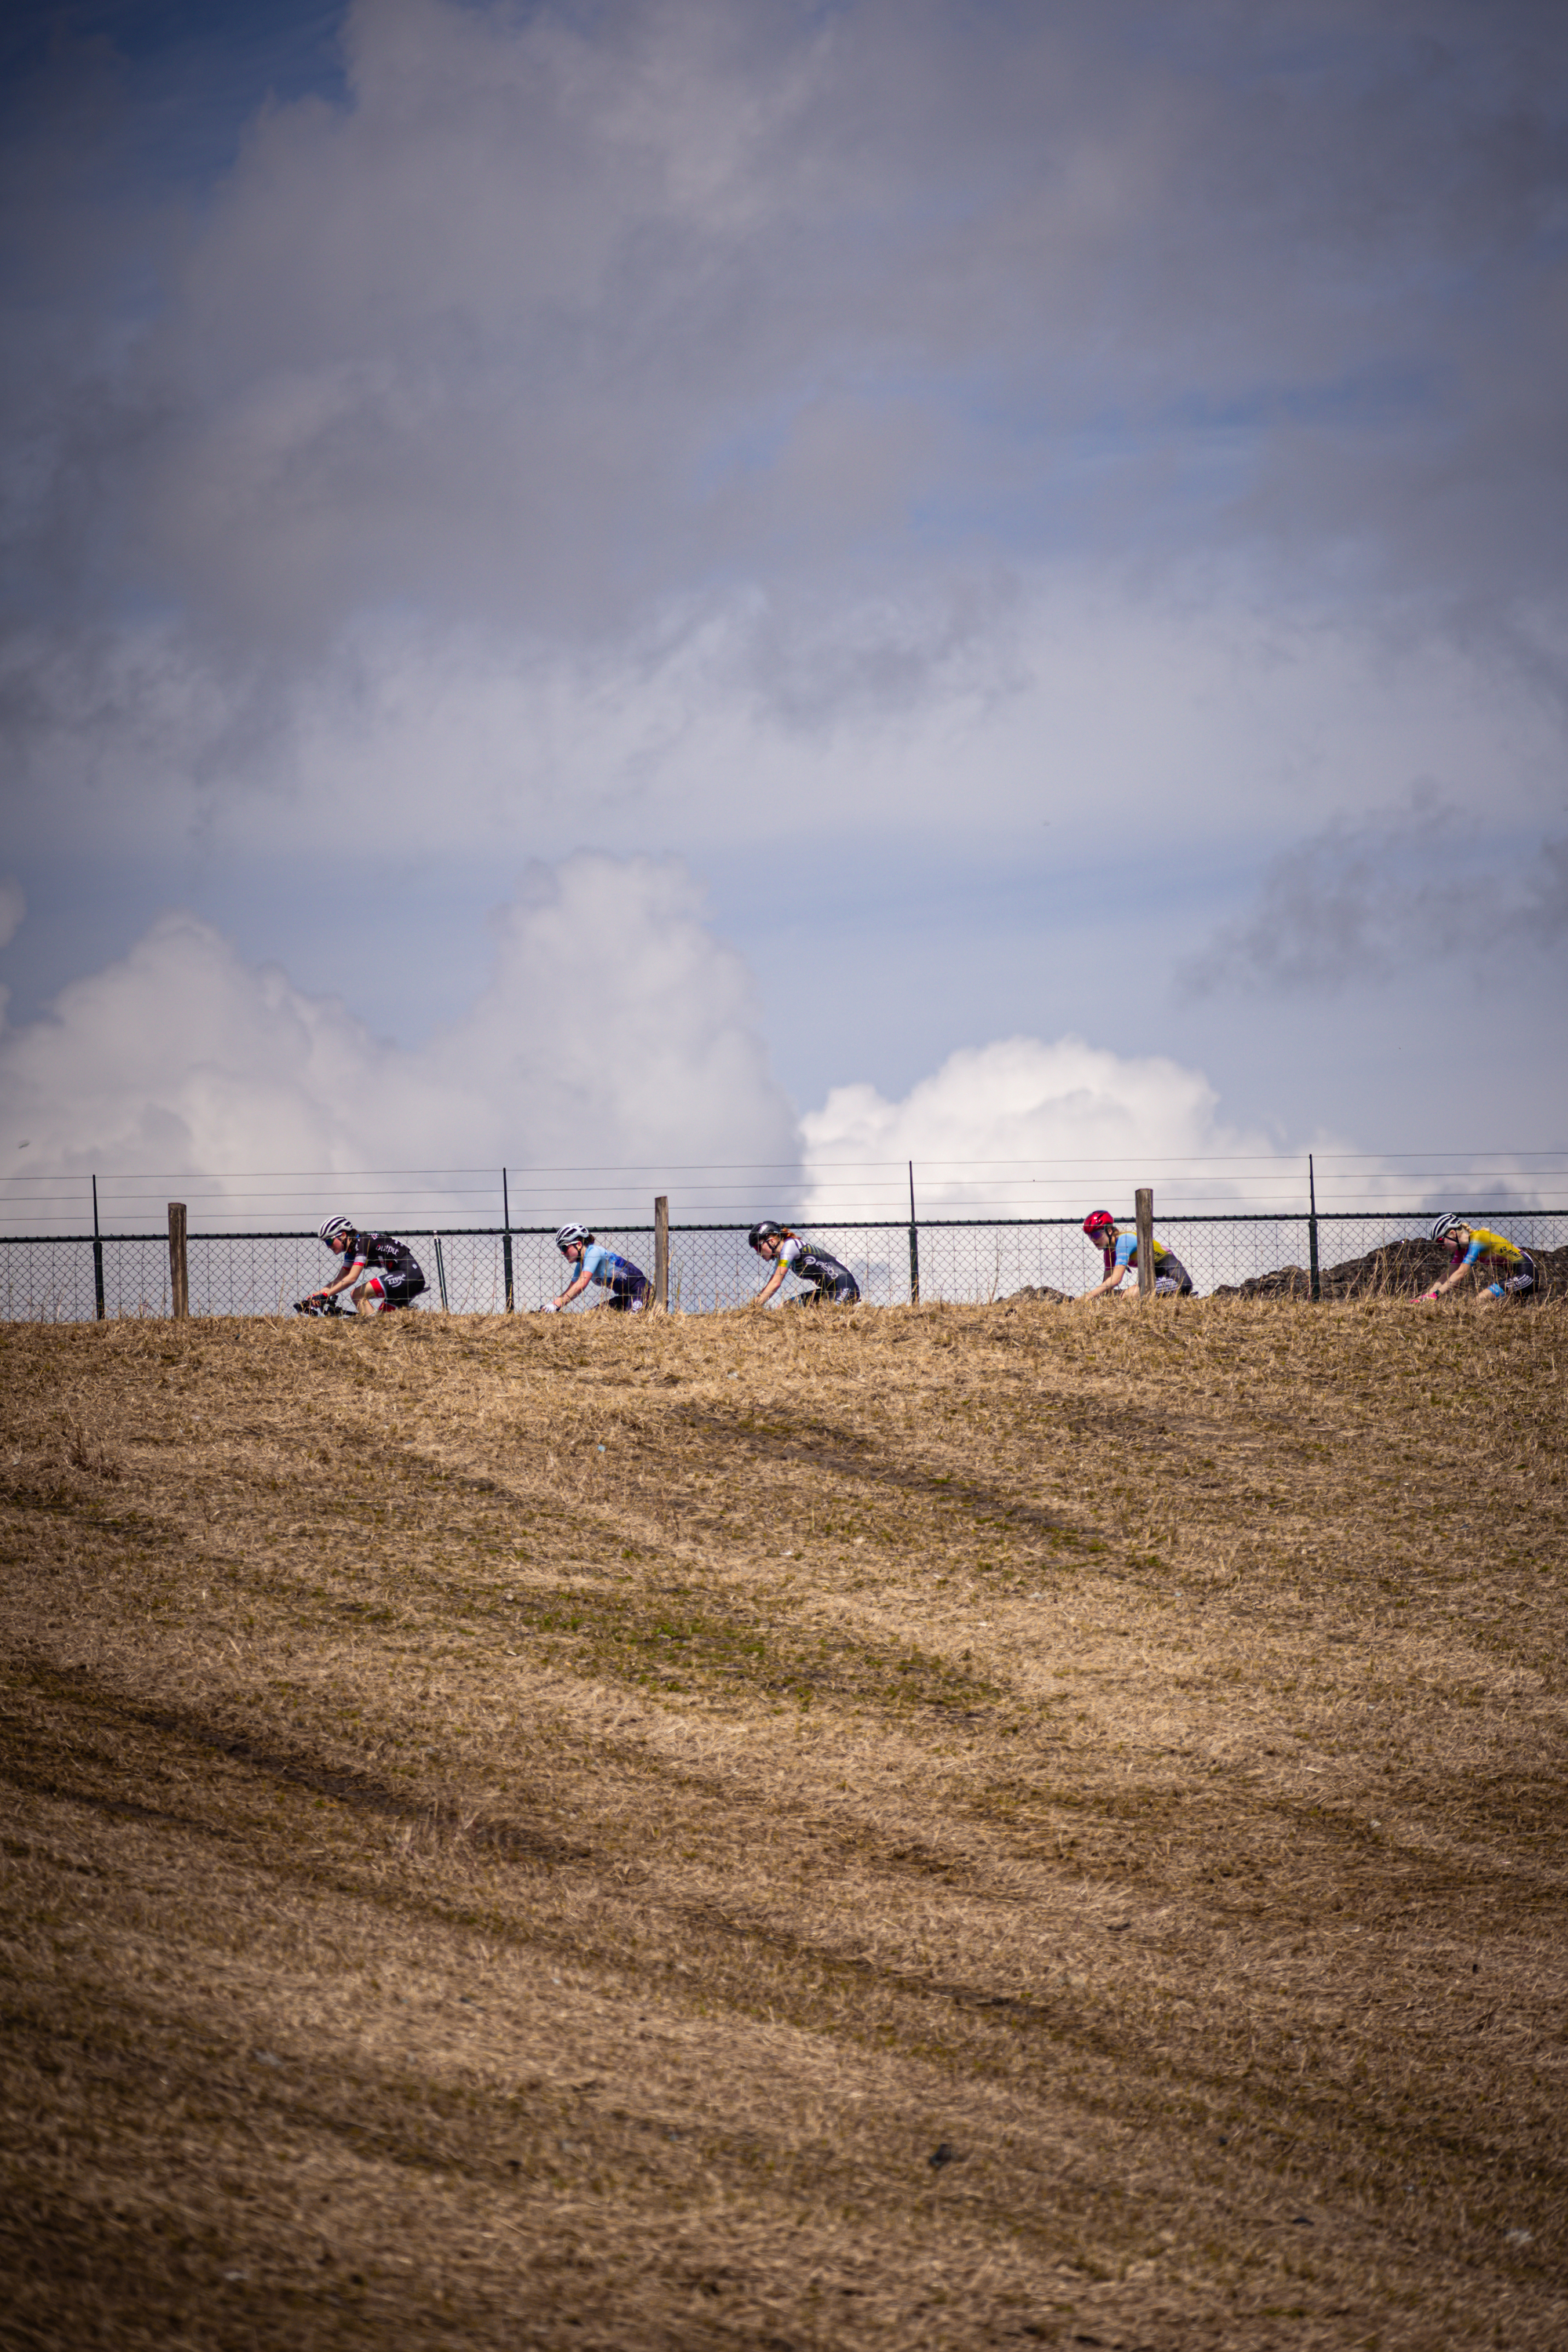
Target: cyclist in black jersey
point(808, 1261)
point(382, 1272)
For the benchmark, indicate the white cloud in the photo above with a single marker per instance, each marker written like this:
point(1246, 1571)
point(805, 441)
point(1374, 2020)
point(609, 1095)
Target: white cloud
point(615, 1029)
point(1024, 1127)
point(613, 1053)
point(924, 725)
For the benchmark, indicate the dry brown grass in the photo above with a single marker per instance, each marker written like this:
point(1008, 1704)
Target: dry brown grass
point(466, 1887)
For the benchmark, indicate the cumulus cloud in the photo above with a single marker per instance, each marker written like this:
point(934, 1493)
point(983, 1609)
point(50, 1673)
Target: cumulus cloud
point(1359, 901)
point(1021, 1127)
point(615, 1029)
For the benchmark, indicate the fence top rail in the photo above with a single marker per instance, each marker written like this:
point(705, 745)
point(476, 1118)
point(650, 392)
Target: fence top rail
point(837, 1225)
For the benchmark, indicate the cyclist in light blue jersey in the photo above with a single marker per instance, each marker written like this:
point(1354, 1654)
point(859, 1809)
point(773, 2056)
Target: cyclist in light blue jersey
point(628, 1288)
point(1119, 1254)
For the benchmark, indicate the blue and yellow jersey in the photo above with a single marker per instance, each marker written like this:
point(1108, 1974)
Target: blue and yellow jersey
point(1127, 1252)
point(1493, 1249)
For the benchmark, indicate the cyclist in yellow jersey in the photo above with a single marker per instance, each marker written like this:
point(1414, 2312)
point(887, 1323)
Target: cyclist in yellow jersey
point(1510, 1267)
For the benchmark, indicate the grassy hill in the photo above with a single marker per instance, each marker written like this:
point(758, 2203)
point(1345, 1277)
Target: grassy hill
point(931, 1828)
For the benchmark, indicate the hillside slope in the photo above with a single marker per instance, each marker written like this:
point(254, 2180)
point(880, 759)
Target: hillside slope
point(931, 1828)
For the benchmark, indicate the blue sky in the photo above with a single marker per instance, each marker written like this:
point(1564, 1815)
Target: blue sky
point(1053, 522)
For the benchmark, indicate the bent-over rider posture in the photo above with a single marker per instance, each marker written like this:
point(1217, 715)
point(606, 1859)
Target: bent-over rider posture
point(808, 1261)
point(629, 1288)
point(382, 1271)
point(1119, 1254)
point(1510, 1267)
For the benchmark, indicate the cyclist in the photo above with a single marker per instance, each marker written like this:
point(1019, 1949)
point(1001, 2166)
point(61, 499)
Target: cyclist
point(630, 1288)
point(1119, 1253)
point(808, 1261)
point(1510, 1267)
point(390, 1271)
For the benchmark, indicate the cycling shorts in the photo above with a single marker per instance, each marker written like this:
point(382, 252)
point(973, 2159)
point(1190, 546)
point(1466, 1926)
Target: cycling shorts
point(841, 1288)
point(395, 1289)
point(1524, 1279)
point(1171, 1278)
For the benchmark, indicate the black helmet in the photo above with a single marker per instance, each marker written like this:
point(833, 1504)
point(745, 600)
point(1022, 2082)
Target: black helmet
point(765, 1232)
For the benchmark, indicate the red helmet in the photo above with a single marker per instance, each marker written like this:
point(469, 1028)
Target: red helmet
point(1099, 1221)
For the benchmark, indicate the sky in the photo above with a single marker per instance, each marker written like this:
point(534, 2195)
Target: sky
point(783, 584)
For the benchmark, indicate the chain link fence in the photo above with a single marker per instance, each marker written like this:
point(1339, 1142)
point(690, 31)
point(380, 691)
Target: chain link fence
point(474, 1270)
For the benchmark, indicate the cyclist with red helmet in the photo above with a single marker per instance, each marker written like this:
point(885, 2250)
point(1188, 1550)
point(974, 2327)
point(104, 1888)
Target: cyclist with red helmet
point(1118, 1252)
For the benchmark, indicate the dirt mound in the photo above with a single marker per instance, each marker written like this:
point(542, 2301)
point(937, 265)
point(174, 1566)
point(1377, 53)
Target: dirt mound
point(1041, 1290)
point(1397, 1270)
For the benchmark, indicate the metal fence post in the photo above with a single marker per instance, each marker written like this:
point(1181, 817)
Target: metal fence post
point(661, 1249)
point(1312, 1229)
point(914, 1245)
point(179, 1272)
point(1143, 1213)
point(506, 1240)
point(97, 1255)
point(440, 1274)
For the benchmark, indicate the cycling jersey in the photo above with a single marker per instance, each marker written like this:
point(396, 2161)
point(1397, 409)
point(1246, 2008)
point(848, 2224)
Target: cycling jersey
point(1511, 1268)
point(809, 1262)
point(1170, 1274)
point(1494, 1246)
point(393, 1271)
point(381, 1251)
point(628, 1285)
point(1126, 1253)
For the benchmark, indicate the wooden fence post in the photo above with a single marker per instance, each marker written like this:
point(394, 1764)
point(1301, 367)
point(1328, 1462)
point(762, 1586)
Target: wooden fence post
point(1143, 1211)
point(97, 1255)
point(914, 1245)
point(179, 1273)
point(661, 1251)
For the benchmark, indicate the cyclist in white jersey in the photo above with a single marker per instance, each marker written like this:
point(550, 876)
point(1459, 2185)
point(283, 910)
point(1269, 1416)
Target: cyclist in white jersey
point(788, 1253)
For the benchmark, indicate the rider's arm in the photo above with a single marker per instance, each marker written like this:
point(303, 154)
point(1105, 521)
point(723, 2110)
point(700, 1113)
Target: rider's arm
point(1119, 1268)
point(575, 1289)
point(349, 1275)
point(772, 1284)
point(1461, 1268)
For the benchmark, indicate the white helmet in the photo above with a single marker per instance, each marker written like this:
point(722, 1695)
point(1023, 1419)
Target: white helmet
point(330, 1232)
point(570, 1235)
point(1444, 1226)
